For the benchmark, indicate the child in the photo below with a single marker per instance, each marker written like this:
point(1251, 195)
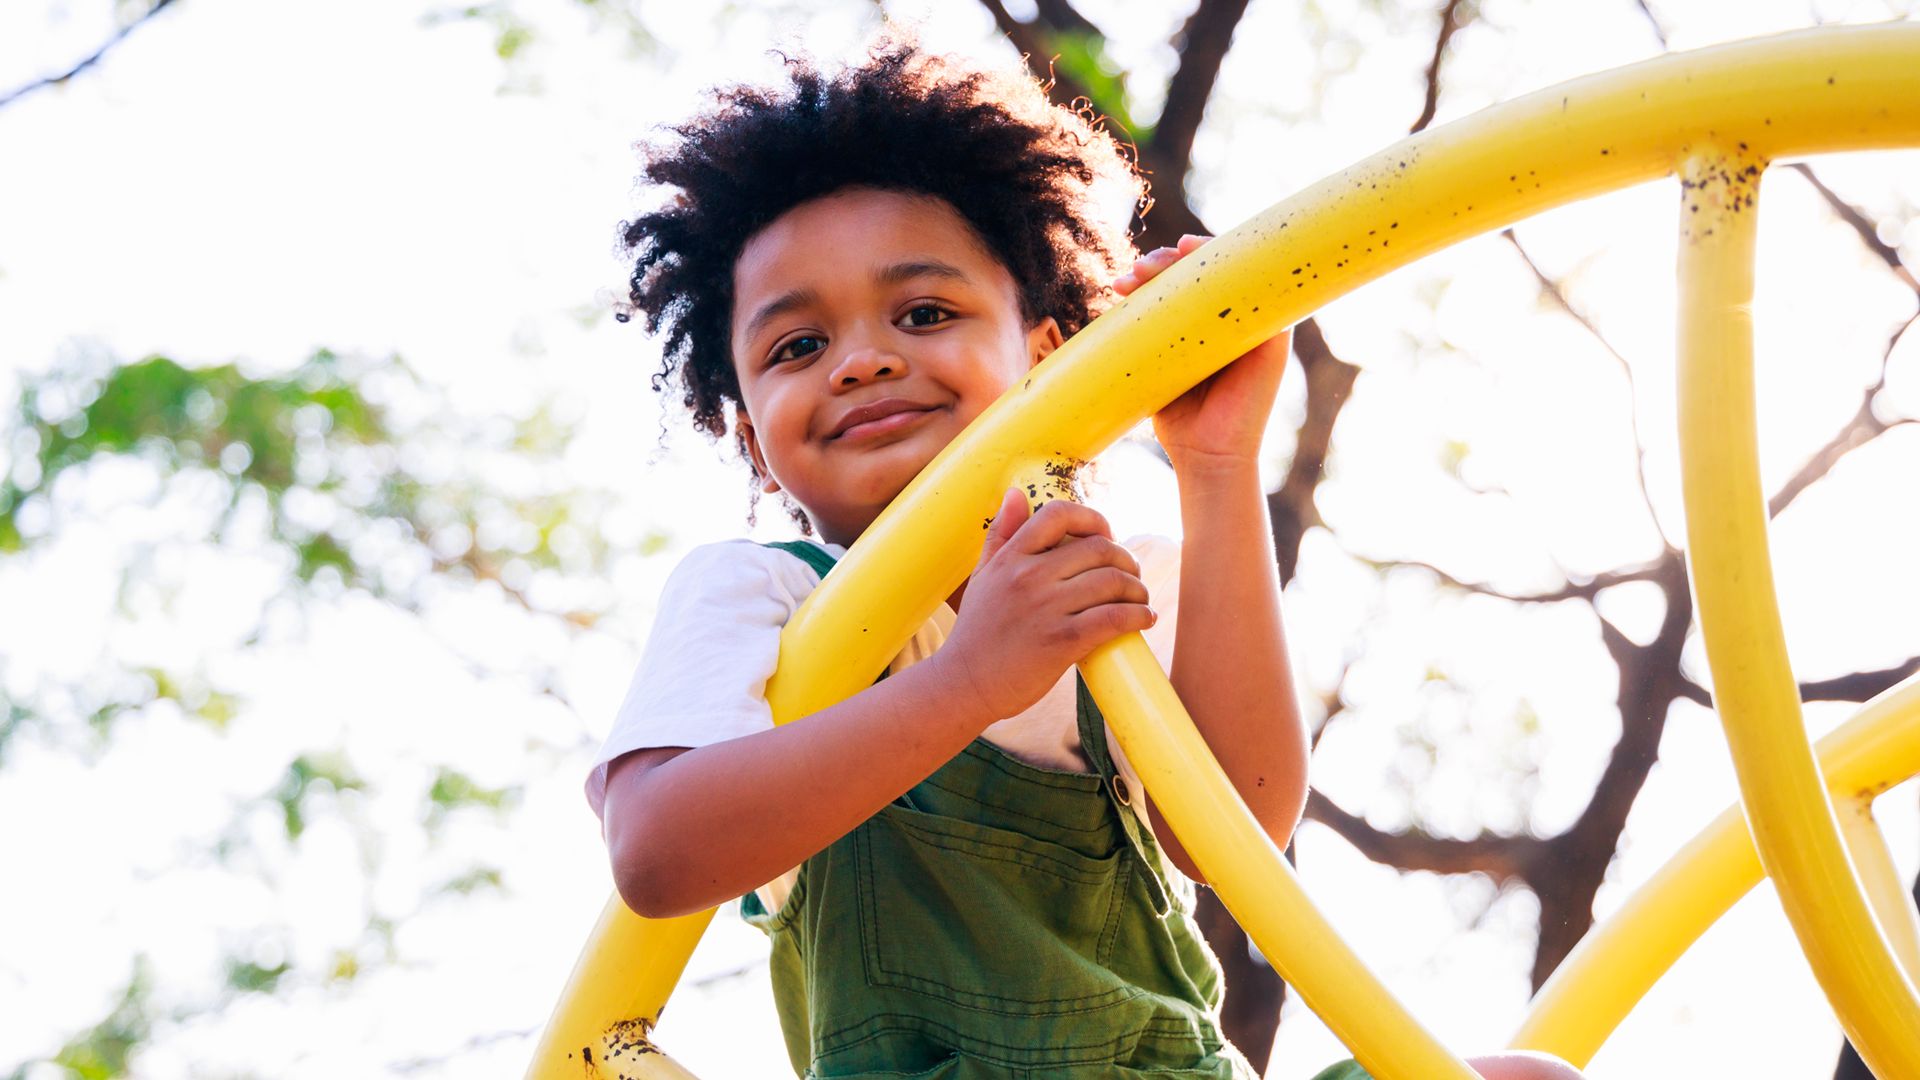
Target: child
point(967, 879)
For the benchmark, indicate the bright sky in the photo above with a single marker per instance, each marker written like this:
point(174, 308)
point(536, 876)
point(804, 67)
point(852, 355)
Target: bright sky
point(253, 181)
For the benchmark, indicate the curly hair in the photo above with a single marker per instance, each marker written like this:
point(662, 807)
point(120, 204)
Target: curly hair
point(1026, 175)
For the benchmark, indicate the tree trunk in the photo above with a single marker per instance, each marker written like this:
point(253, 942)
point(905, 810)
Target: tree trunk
point(1250, 1014)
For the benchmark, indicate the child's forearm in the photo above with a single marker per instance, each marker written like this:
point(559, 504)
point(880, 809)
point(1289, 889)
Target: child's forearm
point(1230, 661)
point(714, 822)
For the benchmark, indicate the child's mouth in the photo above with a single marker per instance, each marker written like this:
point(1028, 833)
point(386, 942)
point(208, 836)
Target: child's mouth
point(880, 418)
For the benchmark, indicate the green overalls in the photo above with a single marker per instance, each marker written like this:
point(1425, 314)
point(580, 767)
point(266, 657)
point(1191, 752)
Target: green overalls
point(1000, 921)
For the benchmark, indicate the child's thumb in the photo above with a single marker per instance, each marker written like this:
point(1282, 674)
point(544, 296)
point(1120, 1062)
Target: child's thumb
point(1012, 514)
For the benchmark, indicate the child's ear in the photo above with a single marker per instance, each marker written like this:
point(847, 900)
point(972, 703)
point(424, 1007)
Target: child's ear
point(751, 445)
point(1042, 340)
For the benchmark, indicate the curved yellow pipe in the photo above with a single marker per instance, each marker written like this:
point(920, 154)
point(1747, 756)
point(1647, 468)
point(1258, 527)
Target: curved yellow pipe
point(1614, 966)
point(1892, 905)
point(1754, 691)
point(1815, 91)
point(1247, 872)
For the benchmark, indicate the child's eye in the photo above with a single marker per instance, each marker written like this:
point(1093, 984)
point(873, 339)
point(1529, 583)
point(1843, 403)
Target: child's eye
point(926, 315)
point(804, 345)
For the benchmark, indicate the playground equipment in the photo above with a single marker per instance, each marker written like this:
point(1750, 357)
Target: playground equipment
point(1717, 118)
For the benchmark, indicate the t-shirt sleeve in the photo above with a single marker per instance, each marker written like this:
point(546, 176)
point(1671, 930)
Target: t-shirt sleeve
point(715, 640)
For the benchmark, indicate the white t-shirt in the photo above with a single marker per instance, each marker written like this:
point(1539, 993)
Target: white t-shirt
point(716, 638)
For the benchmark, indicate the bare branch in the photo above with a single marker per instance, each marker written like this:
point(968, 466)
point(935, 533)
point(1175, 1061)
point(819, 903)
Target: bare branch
point(1695, 693)
point(55, 80)
point(1558, 293)
point(1329, 382)
point(1862, 428)
point(1449, 22)
point(1659, 31)
point(1172, 217)
point(1203, 44)
point(1062, 15)
point(1580, 590)
point(1028, 38)
point(1504, 858)
point(1574, 863)
point(1859, 686)
point(1863, 228)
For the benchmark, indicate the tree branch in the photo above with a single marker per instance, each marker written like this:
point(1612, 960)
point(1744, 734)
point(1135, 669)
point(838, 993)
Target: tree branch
point(1202, 43)
point(1027, 37)
point(1856, 687)
point(1504, 858)
point(1863, 228)
point(1449, 22)
point(1861, 429)
point(55, 80)
point(1062, 15)
point(1575, 862)
point(1581, 590)
point(1859, 686)
point(1172, 216)
point(1659, 31)
point(1694, 692)
point(1329, 382)
point(1558, 293)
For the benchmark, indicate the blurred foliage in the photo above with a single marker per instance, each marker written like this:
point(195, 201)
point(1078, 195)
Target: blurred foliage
point(475, 880)
point(103, 1051)
point(453, 790)
point(249, 977)
point(352, 498)
point(309, 775)
point(1083, 58)
point(352, 475)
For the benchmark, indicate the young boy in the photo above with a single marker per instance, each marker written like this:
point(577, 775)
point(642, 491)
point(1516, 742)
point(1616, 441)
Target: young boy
point(967, 879)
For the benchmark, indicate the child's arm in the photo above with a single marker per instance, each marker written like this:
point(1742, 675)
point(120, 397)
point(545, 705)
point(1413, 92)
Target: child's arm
point(688, 829)
point(1230, 663)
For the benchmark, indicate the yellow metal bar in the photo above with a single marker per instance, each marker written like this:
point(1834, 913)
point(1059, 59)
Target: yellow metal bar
point(1615, 965)
point(1247, 872)
point(1831, 89)
point(614, 997)
point(1786, 804)
point(1892, 906)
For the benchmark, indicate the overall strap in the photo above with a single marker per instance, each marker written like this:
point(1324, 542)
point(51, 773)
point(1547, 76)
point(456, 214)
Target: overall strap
point(807, 552)
point(1093, 743)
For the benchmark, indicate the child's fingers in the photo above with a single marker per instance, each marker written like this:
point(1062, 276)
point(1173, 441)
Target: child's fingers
point(1144, 268)
point(1055, 522)
point(1098, 625)
point(1102, 585)
point(1079, 554)
point(1013, 513)
point(1155, 261)
point(1150, 265)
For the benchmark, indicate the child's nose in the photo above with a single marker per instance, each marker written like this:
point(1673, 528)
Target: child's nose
point(865, 364)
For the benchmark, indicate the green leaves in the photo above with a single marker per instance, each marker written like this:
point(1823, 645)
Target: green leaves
point(102, 1051)
point(249, 977)
point(309, 775)
point(1083, 56)
point(453, 790)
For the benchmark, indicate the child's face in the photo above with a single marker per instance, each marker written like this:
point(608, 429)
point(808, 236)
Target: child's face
point(869, 328)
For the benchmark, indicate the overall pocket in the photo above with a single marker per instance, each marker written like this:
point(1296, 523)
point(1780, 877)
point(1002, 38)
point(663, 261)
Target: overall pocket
point(988, 918)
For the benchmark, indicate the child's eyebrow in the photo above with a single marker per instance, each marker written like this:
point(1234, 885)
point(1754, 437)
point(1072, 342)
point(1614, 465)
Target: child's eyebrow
point(778, 306)
point(906, 271)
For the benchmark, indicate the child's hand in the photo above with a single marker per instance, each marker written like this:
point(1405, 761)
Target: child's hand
point(1050, 587)
point(1221, 419)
